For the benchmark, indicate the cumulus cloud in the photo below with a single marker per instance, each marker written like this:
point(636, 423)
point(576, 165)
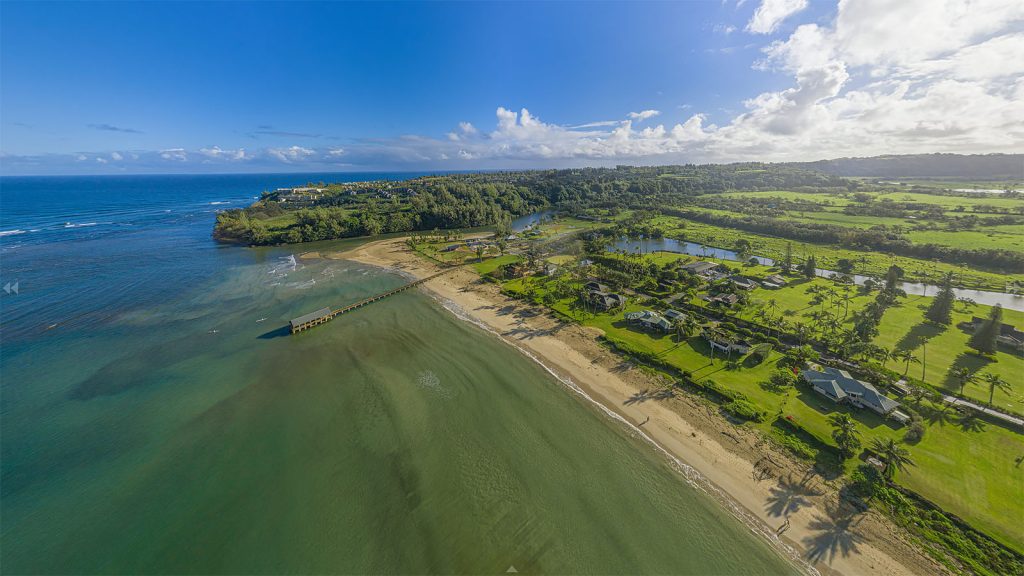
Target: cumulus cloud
point(861, 83)
point(643, 115)
point(116, 156)
point(178, 154)
point(771, 13)
point(291, 154)
point(216, 152)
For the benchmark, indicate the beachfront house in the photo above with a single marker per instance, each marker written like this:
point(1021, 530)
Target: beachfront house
point(649, 321)
point(838, 386)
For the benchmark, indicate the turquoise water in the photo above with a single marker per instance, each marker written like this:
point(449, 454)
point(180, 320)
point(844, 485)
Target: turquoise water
point(160, 426)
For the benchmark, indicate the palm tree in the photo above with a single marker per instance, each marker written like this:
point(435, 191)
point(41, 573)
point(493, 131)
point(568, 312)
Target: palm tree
point(894, 456)
point(685, 326)
point(995, 382)
point(965, 377)
point(906, 356)
point(845, 433)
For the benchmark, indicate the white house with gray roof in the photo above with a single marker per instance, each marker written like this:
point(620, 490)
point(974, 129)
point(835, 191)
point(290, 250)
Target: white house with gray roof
point(838, 386)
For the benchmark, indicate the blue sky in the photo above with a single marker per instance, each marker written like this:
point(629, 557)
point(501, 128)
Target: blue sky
point(238, 87)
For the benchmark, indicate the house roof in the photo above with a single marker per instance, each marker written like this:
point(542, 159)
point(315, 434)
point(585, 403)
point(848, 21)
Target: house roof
point(1004, 329)
point(842, 385)
point(699, 266)
point(673, 314)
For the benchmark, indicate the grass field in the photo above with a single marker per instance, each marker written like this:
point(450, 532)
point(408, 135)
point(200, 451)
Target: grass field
point(869, 263)
point(948, 202)
point(966, 467)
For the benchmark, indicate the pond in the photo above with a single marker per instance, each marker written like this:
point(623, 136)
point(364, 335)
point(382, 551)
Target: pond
point(647, 245)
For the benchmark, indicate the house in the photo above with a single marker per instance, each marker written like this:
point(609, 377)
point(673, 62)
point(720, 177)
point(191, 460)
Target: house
point(649, 320)
point(606, 300)
point(586, 262)
point(450, 248)
point(776, 279)
point(722, 299)
point(743, 283)
point(593, 286)
point(725, 344)
point(838, 386)
point(1008, 334)
point(700, 268)
point(674, 315)
point(551, 269)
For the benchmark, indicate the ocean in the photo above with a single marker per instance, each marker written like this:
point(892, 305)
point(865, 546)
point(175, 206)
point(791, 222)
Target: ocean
point(156, 418)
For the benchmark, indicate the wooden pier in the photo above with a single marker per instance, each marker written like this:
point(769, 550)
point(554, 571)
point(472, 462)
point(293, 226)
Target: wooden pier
point(325, 315)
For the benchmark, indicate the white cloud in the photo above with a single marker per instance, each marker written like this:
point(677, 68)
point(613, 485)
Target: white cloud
point(771, 13)
point(643, 115)
point(863, 83)
point(291, 154)
point(116, 156)
point(216, 152)
point(178, 154)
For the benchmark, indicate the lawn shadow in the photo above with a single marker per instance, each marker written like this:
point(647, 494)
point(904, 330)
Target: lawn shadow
point(827, 407)
point(936, 414)
point(970, 421)
point(972, 362)
point(918, 335)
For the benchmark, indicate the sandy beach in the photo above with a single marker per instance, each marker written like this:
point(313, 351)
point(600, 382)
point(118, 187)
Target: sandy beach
point(778, 496)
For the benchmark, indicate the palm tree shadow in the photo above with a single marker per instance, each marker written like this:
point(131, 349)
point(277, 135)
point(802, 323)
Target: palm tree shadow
point(969, 421)
point(836, 535)
point(936, 414)
point(972, 362)
point(918, 335)
point(789, 496)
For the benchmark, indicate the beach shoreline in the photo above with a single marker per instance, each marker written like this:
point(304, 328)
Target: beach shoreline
point(778, 497)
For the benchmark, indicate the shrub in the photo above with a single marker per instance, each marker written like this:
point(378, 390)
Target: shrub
point(742, 408)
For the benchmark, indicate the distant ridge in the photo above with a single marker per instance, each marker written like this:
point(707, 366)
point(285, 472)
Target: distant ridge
point(951, 166)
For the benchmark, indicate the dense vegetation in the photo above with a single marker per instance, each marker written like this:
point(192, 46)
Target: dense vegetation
point(482, 199)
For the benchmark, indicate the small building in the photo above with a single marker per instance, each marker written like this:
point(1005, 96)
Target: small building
point(776, 279)
point(674, 315)
point(700, 268)
point(838, 386)
point(450, 248)
point(606, 300)
point(743, 283)
point(586, 263)
point(722, 299)
point(725, 344)
point(593, 286)
point(307, 321)
point(551, 269)
point(649, 320)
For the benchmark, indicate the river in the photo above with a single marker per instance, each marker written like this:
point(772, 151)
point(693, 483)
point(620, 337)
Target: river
point(1009, 301)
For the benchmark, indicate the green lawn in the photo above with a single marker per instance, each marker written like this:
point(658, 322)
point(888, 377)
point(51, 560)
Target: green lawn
point(968, 468)
point(946, 348)
point(865, 262)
